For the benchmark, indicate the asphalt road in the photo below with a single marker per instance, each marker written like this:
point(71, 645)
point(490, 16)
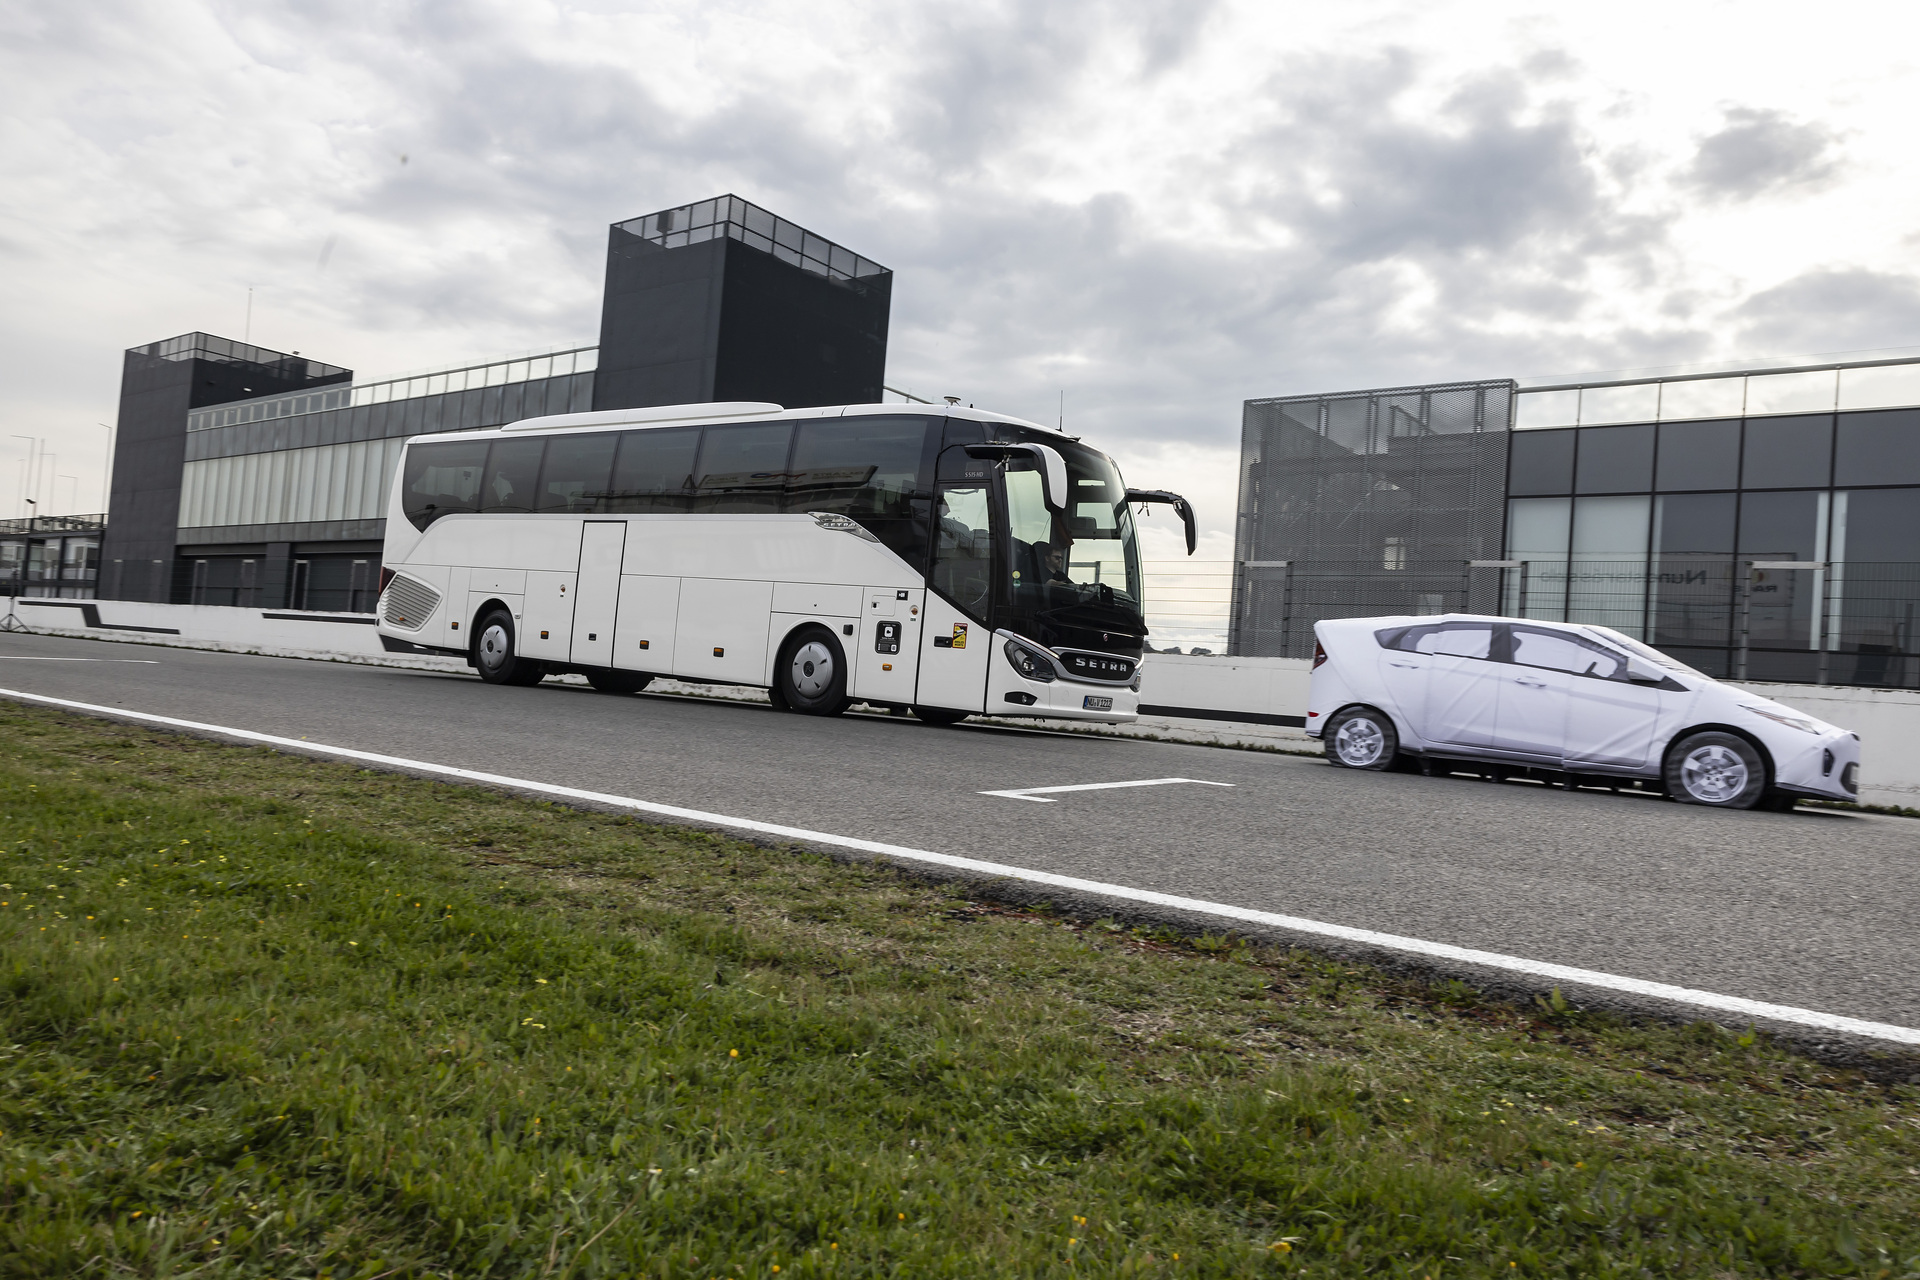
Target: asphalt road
point(1813, 909)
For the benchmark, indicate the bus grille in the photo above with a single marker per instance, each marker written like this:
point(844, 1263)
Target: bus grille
point(410, 602)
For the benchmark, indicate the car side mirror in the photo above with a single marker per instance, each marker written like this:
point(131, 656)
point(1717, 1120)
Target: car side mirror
point(1642, 673)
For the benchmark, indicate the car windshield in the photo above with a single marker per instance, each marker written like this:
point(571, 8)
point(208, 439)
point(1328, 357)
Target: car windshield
point(1645, 651)
point(1074, 575)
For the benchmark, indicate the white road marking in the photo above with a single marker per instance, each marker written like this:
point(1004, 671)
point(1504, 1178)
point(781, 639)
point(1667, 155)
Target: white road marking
point(1559, 973)
point(16, 657)
point(1035, 793)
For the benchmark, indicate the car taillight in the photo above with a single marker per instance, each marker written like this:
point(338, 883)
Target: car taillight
point(1319, 654)
point(386, 576)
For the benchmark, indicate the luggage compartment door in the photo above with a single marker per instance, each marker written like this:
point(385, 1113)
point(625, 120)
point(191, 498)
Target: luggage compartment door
point(596, 599)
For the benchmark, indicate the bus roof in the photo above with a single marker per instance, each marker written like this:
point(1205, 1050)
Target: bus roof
point(680, 415)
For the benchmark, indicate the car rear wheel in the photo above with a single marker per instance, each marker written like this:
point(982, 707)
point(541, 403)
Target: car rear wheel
point(1362, 738)
point(1720, 770)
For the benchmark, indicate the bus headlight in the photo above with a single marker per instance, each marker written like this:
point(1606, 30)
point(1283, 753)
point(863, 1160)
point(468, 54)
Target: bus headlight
point(1032, 665)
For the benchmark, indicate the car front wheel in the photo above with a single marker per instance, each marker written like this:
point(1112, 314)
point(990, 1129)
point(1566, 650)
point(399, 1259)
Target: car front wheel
point(1361, 738)
point(1720, 770)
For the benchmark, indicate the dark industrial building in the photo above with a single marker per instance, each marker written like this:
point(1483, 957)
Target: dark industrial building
point(1759, 523)
point(253, 477)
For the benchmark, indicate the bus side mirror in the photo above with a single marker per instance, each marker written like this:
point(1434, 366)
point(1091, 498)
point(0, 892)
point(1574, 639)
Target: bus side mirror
point(1053, 467)
point(1174, 500)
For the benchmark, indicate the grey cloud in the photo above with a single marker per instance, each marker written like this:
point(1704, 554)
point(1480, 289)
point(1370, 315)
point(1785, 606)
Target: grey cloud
point(1371, 244)
point(1763, 150)
point(1849, 309)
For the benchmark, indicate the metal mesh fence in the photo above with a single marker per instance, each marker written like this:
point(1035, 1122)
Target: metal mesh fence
point(1340, 493)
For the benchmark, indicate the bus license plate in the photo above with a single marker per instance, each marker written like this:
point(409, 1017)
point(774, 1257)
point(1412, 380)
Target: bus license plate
point(1093, 703)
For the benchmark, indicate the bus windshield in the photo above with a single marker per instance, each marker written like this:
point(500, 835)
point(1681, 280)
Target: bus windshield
point(1074, 575)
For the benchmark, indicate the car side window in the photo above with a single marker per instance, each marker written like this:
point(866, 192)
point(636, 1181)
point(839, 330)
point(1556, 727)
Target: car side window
point(1453, 639)
point(1557, 651)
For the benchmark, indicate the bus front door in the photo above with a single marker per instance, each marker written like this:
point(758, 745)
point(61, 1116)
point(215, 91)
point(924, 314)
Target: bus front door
point(955, 642)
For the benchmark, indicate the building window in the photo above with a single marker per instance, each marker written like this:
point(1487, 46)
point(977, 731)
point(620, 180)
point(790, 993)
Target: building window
point(1699, 455)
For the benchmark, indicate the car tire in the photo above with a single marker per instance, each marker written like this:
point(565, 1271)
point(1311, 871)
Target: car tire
point(609, 680)
point(1719, 770)
point(496, 655)
point(939, 715)
point(811, 675)
point(1362, 738)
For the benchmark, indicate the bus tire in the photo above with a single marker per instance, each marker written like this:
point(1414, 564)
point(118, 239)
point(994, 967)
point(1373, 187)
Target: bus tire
point(811, 675)
point(939, 715)
point(609, 680)
point(496, 656)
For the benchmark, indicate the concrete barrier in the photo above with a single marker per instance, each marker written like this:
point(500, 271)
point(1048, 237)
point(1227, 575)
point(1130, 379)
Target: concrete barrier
point(1246, 702)
point(284, 633)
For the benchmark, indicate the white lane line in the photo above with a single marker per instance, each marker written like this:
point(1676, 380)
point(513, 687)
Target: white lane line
point(16, 657)
point(1035, 793)
point(1744, 1008)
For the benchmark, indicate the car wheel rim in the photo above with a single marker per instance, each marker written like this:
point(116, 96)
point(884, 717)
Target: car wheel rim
point(1359, 741)
point(812, 672)
point(494, 647)
point(1713, 774)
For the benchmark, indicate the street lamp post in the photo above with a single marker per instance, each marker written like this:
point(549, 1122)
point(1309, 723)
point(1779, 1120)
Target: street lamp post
point(33, 470)
point(106, 478)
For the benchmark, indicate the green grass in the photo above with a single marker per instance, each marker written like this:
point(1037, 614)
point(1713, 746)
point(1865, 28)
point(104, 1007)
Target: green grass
point(267, 1016)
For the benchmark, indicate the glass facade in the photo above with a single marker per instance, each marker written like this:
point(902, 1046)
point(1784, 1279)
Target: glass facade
point(1759, 522)
point(1678, 528)
point(56, 556)
point(282, 470)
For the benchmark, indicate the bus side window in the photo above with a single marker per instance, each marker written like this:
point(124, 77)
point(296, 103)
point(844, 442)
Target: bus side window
point(441, 480)
point(513, 468)
point(868, 467)
point(742, 467)
point(653, 471)
point(574, 477)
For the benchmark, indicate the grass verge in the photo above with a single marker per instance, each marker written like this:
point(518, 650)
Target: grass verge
point(268, 1016)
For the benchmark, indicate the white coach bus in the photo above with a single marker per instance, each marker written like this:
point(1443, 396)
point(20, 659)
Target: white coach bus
point(940, 559)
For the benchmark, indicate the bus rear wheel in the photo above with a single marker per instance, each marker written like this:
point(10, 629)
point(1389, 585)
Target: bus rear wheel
point(608, 680)
point(811, 676)
point(497, 658)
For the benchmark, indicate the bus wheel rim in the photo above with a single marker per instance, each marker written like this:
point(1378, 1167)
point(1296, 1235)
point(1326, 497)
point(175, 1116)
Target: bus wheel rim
point(812, 670)
point(494, 647)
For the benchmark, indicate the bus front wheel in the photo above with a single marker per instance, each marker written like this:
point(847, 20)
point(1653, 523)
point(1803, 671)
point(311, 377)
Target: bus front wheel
point(811, 675)
point(495, 655)
point(939, 715)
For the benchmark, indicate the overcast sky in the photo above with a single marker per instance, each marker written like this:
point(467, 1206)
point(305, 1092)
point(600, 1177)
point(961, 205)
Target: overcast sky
point(1159, 209)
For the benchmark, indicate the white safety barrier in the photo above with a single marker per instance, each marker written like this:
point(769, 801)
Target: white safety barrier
point(1231, 701)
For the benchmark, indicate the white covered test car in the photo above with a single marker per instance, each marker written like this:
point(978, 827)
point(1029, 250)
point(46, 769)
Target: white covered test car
point(1570, 700)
